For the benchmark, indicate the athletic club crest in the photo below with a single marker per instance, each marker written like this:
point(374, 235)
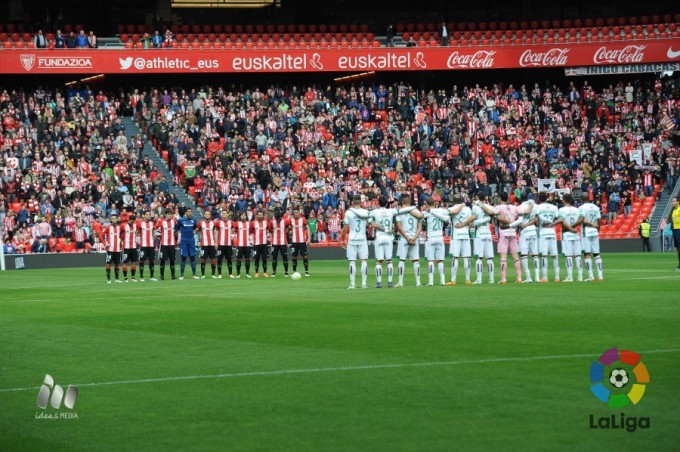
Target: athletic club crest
point(27, 61)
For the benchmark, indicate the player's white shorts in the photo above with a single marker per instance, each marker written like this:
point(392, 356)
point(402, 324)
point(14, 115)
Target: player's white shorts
point(460, 248)
point(434, 251)
point(357, 251)
point(406, 251)
point(383, 249)
point(528, 245)
point(591, 245)
point(547, 246)
point(571, 247)
point(484, 247)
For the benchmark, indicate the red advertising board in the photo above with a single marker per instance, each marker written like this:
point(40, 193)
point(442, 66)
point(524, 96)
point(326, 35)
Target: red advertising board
point(31, 61)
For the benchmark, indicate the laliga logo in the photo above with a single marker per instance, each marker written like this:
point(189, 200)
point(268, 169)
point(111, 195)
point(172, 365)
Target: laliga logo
point(629, 54)
point(553, 57)
point(477, 60)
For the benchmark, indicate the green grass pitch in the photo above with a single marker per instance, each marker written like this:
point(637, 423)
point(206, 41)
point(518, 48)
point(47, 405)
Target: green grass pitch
point(280, 365)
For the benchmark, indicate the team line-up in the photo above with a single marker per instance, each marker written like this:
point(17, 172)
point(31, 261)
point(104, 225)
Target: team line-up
point(525, 231)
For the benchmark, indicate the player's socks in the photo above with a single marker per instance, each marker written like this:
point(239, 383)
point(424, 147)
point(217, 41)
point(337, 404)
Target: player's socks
point(238, 267)
point(294, 264)
point(466, 265)
point(162, 270)
point(352, 273)
point(141, 269)
point(504, 269)
point(134, 270)
point(202, 267)
point(125, 271)
point(182, 266)
point(108, 272)
point(116, 271)
point(219, 268)
point(570, 267)
point(430, 273)
point(490, 267)
point(442, 273)
point(172, 270)
point(518, 270)
point(247, 266)
point(589, 267)
point(213, 265)
point(537, 269)
point(193, 266)
point(556, 267)
point(264, 266)
point(454, 269)
point(151, 269)
point(525, 267)
point(364, 273)
point(378, 273)
point(274, 263)
point(598, 265)
point(478, 270)
point(285, 266)
point(390, 272)
point(416, 270)
point(579, 267)
point(400, 271)
point(305, 261)
point(544, 267)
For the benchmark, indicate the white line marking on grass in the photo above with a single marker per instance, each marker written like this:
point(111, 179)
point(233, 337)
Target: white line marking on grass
point(676, 277)
point(338, 369)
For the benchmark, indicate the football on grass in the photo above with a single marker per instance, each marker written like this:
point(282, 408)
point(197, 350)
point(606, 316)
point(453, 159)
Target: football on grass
point(296, 276)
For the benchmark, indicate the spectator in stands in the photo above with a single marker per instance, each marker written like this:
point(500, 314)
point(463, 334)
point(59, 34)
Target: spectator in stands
point(8, 246)
point(40, 40)
point(92, 41)
point(146, 41)
point(169, 40)
point(81, 40)
point(389, 36)
point(444, 33)
point(59, 40)
point(668, 237)
point(42, 232)
point(157, 39)
point(71, 41)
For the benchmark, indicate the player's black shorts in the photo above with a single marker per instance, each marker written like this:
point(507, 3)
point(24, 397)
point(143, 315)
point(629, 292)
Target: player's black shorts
point(208, 252)
point(130, 255)
point(167, 252)
point(147, 253)
point(224, 252)
point(299, 248)
point(113, 257)
point(676, 237)
point(261, 250)
point(244, 251)
point(276, 249)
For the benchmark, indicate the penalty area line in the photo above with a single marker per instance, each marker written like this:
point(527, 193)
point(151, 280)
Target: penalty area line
point(336, 369)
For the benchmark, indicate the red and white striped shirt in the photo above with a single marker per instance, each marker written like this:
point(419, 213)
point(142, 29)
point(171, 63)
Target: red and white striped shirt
point(224, 235)
point(167, 228)
point(79, 235)
point(112, 238)
point(243, 233)
point(130, 232)
point(299, 229)
point(207, 232)
point(279, 231)
point(259, 229)
point(146, 229)
point(334, 224)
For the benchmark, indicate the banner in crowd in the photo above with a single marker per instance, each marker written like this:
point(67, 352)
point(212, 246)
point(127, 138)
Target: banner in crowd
point(623, 69)
point(546, 185)
point(124, 61)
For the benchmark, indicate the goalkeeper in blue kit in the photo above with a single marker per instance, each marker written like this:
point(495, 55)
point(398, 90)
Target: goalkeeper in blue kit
point(187, 243)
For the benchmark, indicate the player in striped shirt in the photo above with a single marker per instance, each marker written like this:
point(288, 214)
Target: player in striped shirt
point(168, 242)
point(259, 229)
point(300, 239)
point(130, 254)
point(225, 239)
point(208, 243)
point(112, 240)
point(279, 229)
point(244, 248)
point(147, 245)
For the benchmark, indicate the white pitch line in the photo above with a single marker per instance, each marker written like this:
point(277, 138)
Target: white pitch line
point(337, 369)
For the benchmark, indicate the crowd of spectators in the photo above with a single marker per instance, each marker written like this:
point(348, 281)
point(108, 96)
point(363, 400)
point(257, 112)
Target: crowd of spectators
point(66, 163)
point(71, 40)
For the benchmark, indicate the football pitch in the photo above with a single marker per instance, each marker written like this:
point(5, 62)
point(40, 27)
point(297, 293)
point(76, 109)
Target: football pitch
point(273, 364)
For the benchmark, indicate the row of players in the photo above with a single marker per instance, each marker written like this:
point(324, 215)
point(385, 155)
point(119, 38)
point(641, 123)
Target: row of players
point(537, 236)
point(133, 242)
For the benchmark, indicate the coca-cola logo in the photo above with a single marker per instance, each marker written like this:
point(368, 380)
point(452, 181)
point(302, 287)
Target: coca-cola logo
point(552, 57)
point(482, 59)
point(627, 55)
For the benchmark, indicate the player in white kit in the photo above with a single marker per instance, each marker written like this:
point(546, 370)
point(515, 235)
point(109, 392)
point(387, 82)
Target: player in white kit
point(528, 240)
point(435, 219)
point(589, 216)
point(548, 217)
point(460, 247)
point(483, 241)
point(409, 228)
point(354, 240)
point(571, 239)
point(383, 243)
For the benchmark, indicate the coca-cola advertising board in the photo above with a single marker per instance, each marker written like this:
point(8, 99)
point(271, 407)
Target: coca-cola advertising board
point(31, 61)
